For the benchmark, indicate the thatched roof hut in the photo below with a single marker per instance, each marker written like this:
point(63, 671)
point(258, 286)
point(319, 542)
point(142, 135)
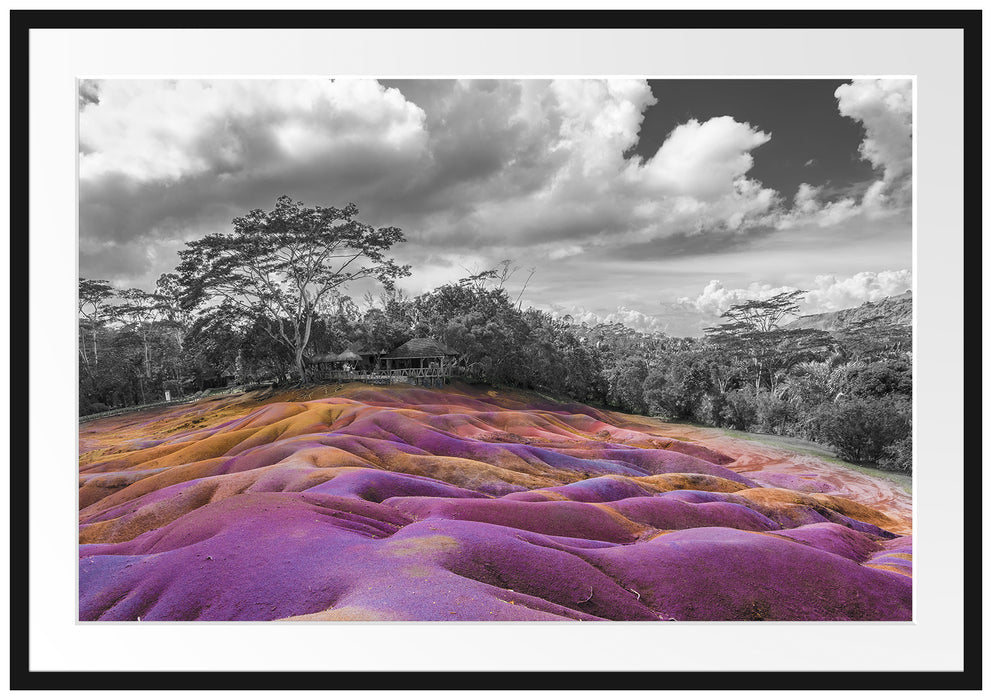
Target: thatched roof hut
point(324, 358)
point(421, 353)
point(418, 348)
point(346, 356)
point(360, 349)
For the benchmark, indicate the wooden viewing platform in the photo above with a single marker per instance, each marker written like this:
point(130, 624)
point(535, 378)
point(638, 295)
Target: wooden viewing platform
point(426, 376)
point(422, 361)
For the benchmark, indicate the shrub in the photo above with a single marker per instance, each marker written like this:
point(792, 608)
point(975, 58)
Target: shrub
point(711, 408)
point(898, 457)
point(879, 379)
point(739, 411)
point(772, 413)
point(861, 429)
point(676, 388)
point(626, 385)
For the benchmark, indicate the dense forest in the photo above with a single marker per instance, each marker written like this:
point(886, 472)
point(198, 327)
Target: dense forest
point(257, 304)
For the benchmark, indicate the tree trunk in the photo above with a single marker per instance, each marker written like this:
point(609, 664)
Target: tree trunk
point(301, 342)
point(82, 349)
point(148, 358)
point(86, 362)
point(300, 369)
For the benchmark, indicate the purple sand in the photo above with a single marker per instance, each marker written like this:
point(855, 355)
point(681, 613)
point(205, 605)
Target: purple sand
point(245, 520)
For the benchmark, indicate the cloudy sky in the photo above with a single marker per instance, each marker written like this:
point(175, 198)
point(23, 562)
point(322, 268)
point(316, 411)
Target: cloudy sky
point(653, 202)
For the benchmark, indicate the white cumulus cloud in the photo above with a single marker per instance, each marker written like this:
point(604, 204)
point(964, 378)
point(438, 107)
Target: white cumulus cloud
point(565, 173)
point(827, 293)
point(165, 130)
point(831, 294)
point(704, 160)
point(715, 298)
point(632, 318)
point(885, 109)
point(533, 170)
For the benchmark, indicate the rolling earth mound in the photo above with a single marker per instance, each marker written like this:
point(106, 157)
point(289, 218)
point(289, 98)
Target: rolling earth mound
point(401, 503)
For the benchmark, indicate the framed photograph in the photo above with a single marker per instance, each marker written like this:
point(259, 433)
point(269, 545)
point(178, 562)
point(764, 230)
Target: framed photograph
point(600, 348)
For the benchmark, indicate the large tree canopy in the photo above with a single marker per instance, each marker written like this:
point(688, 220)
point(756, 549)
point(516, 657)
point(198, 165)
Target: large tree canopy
point(92, 302)
point(760, 315)
point(279, 265)
point(752, 336)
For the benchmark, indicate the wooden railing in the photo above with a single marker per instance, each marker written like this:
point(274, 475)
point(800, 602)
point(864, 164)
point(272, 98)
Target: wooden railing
point(387, 376)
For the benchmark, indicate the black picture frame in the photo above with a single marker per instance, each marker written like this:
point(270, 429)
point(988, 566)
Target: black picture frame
point(22, 22)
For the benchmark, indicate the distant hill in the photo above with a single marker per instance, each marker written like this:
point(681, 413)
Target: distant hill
point(896, 310)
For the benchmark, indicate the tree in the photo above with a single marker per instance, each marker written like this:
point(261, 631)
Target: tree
point(862, 428)
point(762, 315)
point(92, 302)
point(877, 379)
point(137, 312)
point(751, 335)
point(168, 297)
point(279, 265)
point(678, 387)
point(556, 360)
point(876, 338)
point(625, 384)
point(212, 343)
point(739, 408)
point(481, 324)
point(387, 321)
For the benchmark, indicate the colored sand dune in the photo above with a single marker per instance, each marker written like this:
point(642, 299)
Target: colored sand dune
point(399, 503)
